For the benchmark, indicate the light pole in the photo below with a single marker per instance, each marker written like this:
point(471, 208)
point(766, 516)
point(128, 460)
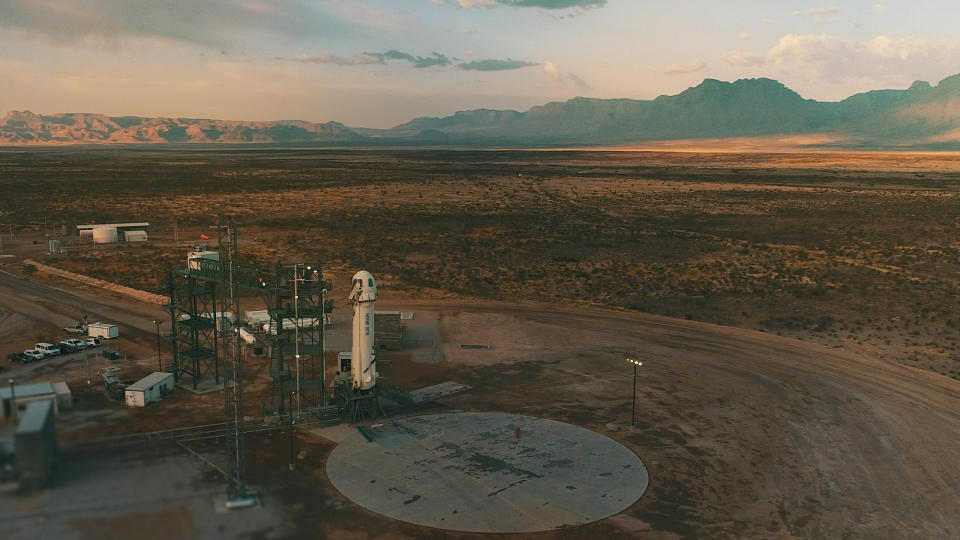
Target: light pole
point(13, 402)
point(296, 346)
point(633, 415)
point(159, 361)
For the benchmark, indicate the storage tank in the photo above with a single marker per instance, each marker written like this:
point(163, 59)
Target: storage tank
point(363, 294)
point(104, 235)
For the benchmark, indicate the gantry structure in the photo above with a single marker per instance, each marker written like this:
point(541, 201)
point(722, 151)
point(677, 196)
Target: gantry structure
point(209, 342)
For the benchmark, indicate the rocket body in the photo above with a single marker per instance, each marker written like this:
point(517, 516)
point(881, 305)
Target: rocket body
point(363, 295)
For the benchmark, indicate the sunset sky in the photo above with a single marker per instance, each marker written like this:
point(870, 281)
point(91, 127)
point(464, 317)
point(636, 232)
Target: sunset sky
point(378, 63)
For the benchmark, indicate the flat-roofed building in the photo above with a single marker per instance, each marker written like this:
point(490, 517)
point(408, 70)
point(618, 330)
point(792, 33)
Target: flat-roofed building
point(149, 389)
point(35, 445)
point(22, 395)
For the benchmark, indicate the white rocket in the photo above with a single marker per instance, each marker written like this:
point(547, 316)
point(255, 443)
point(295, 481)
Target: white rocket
point(363, 366)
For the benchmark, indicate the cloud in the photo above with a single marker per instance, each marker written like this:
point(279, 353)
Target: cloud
point(367, 58)
point(819, 14)
point(743, 34)
point(328, 58)
point(436, 59)
point(544, 4)
point(495, 65)
point(689, 66)
point(578, 82)
point(880, 60)
point(740, 58)
point(214, 24)
point(878, 9)
point(551, 70)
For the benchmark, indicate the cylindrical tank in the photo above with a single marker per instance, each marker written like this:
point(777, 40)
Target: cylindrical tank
point(363, 294)
point(104, 235)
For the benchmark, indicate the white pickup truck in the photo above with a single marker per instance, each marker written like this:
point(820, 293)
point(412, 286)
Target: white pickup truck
point(72, 345)
point(48, 349)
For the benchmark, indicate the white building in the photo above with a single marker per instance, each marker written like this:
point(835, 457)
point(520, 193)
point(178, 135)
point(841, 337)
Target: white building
point(108, 233)
point(149, 389)
point(137, 235)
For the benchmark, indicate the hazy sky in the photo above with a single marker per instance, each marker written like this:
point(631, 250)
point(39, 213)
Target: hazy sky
point(378, 63)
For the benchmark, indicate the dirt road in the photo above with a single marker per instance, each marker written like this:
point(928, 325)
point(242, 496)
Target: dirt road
point(32, 311)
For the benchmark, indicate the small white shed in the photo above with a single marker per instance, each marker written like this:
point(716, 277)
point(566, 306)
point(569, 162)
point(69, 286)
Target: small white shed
point(149, 389)
point(103, 330)
point(138, 235)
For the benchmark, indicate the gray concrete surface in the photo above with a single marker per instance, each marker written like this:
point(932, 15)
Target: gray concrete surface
point(145, 496)
point(487, 472)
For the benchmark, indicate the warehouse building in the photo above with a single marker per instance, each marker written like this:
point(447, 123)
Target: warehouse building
point(149, 389)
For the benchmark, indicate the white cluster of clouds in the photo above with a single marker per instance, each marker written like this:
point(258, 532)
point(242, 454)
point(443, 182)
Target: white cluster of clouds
point(819, 14)
point(689, 66)
point(832, 59)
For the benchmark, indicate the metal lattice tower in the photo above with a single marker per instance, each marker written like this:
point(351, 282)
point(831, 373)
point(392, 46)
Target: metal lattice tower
point(193, 322)
point(204, 331)
point(233, 370)
point(295, 303)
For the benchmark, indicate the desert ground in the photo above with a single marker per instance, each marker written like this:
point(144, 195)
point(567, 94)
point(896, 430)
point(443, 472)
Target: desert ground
point(855, 250)
point(843, 425)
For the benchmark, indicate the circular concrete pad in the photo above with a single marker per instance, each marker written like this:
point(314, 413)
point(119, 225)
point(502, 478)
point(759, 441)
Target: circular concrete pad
point(472, 472)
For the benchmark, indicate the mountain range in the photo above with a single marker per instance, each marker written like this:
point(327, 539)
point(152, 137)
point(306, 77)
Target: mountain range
point(922, 116)
point(25, 127)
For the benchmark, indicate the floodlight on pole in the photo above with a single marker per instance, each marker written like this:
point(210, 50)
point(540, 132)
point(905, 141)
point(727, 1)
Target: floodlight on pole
point(633, 414)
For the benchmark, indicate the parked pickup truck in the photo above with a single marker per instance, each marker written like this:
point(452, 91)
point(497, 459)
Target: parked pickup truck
point(48, 349)
point(73, 345)
point(32, 355)
point(79, 328)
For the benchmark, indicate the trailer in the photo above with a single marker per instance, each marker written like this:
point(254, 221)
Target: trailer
point(103, 330)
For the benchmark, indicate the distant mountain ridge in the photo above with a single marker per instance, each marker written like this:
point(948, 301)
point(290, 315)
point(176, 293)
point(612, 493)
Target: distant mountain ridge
point(920, 116)
point(25, 127)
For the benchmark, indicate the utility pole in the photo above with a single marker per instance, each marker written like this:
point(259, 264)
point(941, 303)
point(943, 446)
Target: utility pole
point(159, 361)
point(290, 412)
point(323, 345)
point(633, 414)
point(176, 231)
point(296, 337)
point(237, 491)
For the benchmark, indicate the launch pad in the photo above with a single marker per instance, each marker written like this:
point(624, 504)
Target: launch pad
point(487, 472)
